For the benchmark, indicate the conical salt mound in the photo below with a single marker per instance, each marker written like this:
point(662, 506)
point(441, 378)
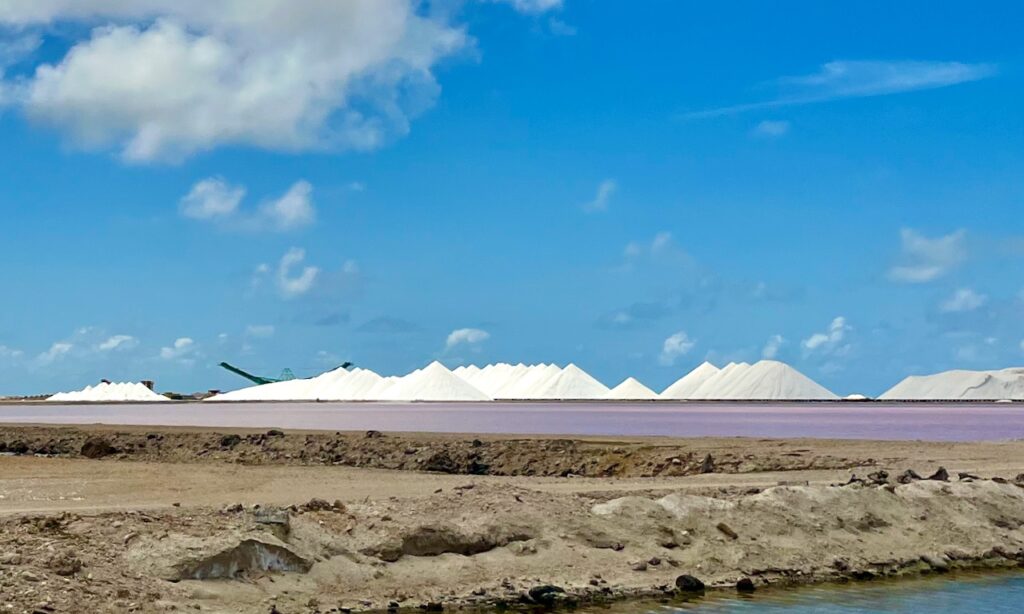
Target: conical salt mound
point(572, 383)
point(117, 391)
point(712, 387)
point(523, 387)
point(771, 380)
point(685, 386)
point(958, 385)
point(432, 383)
point(631, 390)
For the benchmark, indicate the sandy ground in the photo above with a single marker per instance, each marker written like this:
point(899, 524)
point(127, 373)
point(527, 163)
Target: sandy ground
point(274, 525)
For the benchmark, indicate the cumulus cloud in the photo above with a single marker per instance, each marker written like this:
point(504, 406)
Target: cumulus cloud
point(181, 350)
point(673, 347)
point(466, 336)
point(842, 79)
point(771, 128)
point(772, 346)
point(605, 190)
point(163, 79)
point(118, 343)
point(291, 285)
point(963, 300)
point(830, 341)
point(213, 199)
point(925, 259)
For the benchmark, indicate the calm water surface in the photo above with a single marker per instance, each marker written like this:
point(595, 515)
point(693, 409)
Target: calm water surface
point(931, 421)
point(943, 595)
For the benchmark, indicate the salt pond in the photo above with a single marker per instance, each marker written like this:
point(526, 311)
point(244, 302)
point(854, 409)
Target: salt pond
point(833, 420)
point(957, 594)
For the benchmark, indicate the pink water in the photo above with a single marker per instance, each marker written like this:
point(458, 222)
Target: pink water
point(925, 421)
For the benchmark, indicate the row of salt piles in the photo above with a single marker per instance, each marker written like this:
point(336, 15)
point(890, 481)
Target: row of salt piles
point(764, 380)
point(109, 392)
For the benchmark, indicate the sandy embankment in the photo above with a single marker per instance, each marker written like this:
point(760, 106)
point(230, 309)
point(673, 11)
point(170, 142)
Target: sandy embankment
point(417, 539)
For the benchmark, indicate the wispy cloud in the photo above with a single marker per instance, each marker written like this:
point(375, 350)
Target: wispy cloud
point(772, 347)
point(963, 300)
point(531, 7)
point(771, 128)
point(291, 285)
point(859, 79)
point(926, 259)
point(605, 191)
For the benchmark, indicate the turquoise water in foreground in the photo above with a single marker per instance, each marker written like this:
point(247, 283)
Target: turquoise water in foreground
point(998, 593)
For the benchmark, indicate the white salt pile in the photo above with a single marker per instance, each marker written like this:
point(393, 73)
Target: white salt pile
point(712, 387)
point(1004, 384)
point(772, 380)
point(571, 383)
point(432, 383)
point(767, 380)
point(110, 392)
point(685, 386)
point(629, 390)
point(523, 387)
point(856, 397)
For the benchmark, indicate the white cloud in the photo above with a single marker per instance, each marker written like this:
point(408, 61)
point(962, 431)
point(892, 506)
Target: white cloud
point(259, 331)
point(56, 352)
point(605, 190)
point(1022, 345)
point(180, 350)
point(118, 342)
point(661, 241)
point(468, 336)
point(163, 79)
point(10, 354)
point(771, 128)
point(292, 286)
point(772, 346)
point(673, 347)
point(963, 300)
point(292, 210)
point(927, 259)
point(860, 79)
point(214, 199)
point(830, 341)
point(532, 7)
point(211, 198)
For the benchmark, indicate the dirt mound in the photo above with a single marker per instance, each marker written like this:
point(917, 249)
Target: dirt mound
point(412, 452)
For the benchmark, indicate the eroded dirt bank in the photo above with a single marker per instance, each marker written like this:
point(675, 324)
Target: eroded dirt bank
point(490, 455)
point(236, 521)
point(486, 546)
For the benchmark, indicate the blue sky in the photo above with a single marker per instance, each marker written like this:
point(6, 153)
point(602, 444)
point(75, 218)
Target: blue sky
point(633, 187)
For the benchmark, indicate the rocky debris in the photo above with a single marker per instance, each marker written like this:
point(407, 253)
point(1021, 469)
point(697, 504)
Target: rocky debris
point(689, 584)
point(745, 585)
point(726, 530)
point(638, 566)
point(963, 475)
point(940, 475)
point(908, 476)
point(97, 447)
point(708, 464)
point(438, 539)
point(374, 434)
point(547, 595)
point(320, 505)
point(228, 442)
point(177, 557)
